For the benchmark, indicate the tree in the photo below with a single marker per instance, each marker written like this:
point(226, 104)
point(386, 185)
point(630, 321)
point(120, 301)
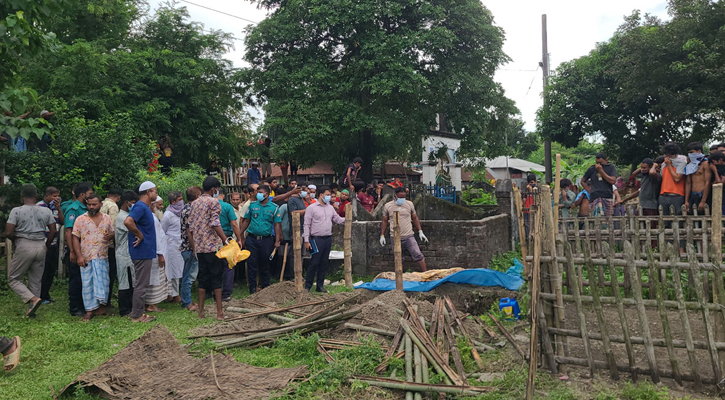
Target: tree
point(337, 83)
point(651, 83)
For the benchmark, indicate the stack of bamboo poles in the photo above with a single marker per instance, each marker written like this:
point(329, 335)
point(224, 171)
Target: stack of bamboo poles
point(428, 345)
point(327, 317)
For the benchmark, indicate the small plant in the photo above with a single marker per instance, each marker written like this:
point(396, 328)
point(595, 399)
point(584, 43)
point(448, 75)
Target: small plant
point(644, 391)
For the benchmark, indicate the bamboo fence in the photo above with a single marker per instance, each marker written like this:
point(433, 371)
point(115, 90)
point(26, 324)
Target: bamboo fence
point(632, 294)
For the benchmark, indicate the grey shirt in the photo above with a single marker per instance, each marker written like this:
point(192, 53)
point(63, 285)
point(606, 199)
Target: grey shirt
point(649, 191)
point(600, 187)
point(30, 221)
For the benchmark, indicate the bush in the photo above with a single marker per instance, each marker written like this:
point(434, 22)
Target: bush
point(107, 153)
point(179, 179)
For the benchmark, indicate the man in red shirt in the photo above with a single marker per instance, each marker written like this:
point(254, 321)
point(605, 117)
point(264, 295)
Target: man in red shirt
point(341, 202)
point(365, 197)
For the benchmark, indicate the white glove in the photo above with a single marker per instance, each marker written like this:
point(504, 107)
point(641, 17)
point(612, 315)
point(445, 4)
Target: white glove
point(422, 237)
point(382, 240)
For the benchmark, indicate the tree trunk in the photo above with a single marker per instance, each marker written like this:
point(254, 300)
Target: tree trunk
point(367, 153)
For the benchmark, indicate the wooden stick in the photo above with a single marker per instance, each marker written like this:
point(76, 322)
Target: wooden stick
point(273, 310)
point(455, 354)
point(637, 293)
point(659, 288)
point(716, 239)
point(714, 357)
point(624, 368)
point(425, 374)
point(258, 304)
point(522, 229)
point(418, 369)
point(571, 270)
point(213, 370)
point(324, 352)
point(324, 311)
point(347, 245)
point(549, 245)
point(433, 356)
point(508, 336)
point(369, 329)
point(601, 322)
point(284, 262)
point(718, 295)
point(408, 364)
point(398, 253)
point(464, 332)
point(661, 265)
point(557, 189)
point(297, 249)
point(684, 320)
point(420, 387)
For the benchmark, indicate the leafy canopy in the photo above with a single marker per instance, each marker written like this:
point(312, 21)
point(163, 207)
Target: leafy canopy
point(348, 77)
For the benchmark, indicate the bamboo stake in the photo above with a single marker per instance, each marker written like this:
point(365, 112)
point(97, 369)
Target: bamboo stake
point(638, 340)
point(571, 270)
point(284, 262)
point(714, 358)
point(397, 253)
point(455, 354)
point(661, 239)
point(325, 353)
point(258, 304)
point(557, 189)
point(718, 298)
point(553, 267)
point(369, 329)
point(508, 336)
point(297, 249)
point(408, 364)
point(537, 313)
point(324, 311)
point(602, 323)
point(425, 377)
point(716, 227)
point(271, 310)
point(624, 368)
point(420, 387)
point(347, 245)
point(637, 293)
point(433, 356)
point(522, 228)
point(417, 364)
point(464, 332)
point(658, 288)
point(684, 320)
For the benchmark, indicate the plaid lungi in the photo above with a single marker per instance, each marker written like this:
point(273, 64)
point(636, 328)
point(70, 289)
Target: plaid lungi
point(95, 281)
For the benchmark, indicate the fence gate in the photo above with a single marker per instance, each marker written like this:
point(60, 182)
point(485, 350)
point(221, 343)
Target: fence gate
point(628, 294)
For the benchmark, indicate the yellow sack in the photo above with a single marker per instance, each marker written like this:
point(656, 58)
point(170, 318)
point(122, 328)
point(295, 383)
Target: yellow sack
point(232, 253)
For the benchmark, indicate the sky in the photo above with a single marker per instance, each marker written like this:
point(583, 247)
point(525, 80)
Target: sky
point(574, 29)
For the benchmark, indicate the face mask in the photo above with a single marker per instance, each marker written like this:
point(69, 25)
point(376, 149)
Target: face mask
point(303, 194)
point(260, 196)
point(695, 157)
point(312, 195)
point(130, 207)
point(216, 194)
point(327, 199)
point(400, 201)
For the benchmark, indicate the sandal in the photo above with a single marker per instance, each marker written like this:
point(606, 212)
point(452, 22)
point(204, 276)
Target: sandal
point(13, 359)
point(33, 308)
point(145, 318)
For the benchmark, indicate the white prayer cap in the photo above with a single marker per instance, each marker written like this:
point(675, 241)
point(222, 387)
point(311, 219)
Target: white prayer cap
point(146, 186)
point(158, 199)
point(311, 187)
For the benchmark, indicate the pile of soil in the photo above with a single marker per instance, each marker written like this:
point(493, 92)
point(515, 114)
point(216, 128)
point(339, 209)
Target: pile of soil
point(155, 366)
point(282, 293)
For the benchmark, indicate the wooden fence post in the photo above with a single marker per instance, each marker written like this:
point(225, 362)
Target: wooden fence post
point(557, 190)
point(398, 253)
point(297, 248)
point(716, 225)
point(522, 230)
point(555, 273)
point(347, 245)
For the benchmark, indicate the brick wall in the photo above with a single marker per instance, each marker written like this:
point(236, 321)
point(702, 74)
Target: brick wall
point(464, 244)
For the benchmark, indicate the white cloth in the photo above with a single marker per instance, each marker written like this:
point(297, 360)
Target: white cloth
point(171, 225)
point(160, 249)
point(146, 186)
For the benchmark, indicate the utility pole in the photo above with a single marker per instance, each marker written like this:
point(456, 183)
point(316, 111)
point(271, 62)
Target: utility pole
point(545, 69)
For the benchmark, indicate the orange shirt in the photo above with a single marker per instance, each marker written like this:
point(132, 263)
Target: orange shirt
point(668, 182)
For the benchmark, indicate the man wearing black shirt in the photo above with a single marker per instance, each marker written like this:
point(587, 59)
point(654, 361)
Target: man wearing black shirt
point(602, 176)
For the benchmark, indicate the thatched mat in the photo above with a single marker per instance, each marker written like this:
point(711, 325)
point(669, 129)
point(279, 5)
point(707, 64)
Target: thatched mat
point(155, 366)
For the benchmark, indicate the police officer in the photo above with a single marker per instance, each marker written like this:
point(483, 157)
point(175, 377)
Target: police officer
point(264, 233)
point(75, 285)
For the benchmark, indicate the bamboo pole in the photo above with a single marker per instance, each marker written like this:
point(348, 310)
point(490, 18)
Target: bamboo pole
point(620, 310)
point(602, 323)
point(425, 373)
point(714, 358)
point(522, 229)
point(297, 249)
point(537, 312)
point(718, 298)
point(557, 190)
point(571, 270)
point(638, 340)
point(637, 293)
point(659, 288)
point(418, 367)
point(663, 265)
point(408, 364)
point(347, 245)
point(684, 320)
point(464, 332)
point(716, 228)
point(398, 253)
point(284, 262)
point(624, 368)
point(364, 328)
point(555, 273)
point(420, 387)
point(443, 370)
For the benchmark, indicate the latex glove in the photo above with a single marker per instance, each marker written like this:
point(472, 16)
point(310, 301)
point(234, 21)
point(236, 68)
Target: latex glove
point(422, 237)
point(382, 240)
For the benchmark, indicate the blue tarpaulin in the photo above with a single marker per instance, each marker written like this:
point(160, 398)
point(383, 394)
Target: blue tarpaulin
point(480, 276)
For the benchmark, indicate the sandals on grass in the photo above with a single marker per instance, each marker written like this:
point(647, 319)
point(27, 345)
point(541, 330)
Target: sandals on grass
point(12, 360)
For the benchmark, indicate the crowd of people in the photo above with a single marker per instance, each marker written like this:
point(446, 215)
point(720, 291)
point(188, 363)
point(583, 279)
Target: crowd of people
point(670, 180)
point(128, 245)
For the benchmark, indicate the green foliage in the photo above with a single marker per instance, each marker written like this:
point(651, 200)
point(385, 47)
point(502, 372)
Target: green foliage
point(502, 262)
point(644, 391)
point(653, 82)
point(106, 153)
point(178, 179)
point(479, 198)
point(370, 82)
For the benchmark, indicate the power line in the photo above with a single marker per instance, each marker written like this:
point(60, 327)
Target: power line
point(221, 12)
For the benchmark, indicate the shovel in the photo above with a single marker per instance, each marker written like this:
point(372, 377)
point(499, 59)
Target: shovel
point(284, 262)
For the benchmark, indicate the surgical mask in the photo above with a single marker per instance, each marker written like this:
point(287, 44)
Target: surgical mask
point(400, 201)
point(327, 199)
point(303, 194)
point(216, 194)
point(130, 207)
point(312, 195)
point(260, 196)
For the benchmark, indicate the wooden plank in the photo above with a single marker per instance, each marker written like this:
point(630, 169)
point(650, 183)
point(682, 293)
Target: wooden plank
point(659, 288)
point(714, 357)
point(637, 293)
point(684, 320)
point(347, 245)
point(579, 307)
point(398, 253)
point(602, 323)
point(522, 229)
point(297, 248)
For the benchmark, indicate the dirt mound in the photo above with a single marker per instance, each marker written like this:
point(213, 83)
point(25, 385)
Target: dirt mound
point(155, 366)
point(281, 293)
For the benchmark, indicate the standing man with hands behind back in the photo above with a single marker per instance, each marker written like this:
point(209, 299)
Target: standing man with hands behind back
point(407, 218)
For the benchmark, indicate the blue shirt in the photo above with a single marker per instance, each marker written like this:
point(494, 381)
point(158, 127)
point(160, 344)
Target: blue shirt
point(253, 176)
point(144, 218)
point(226, 217)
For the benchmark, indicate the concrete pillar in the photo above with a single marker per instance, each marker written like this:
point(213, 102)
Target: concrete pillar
point(505, 200)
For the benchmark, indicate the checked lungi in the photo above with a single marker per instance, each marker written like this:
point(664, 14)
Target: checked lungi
point(94, 277)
